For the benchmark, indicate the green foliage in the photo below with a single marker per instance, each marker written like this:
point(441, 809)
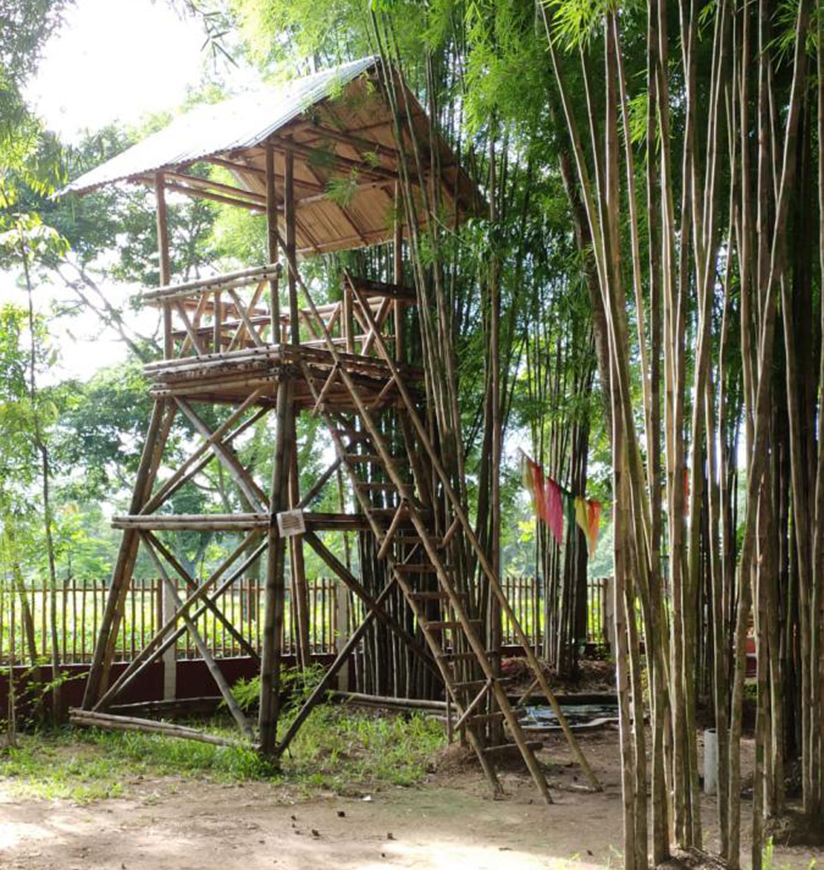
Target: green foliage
point(297, 684)
point(343, 750)
point(575, 22)
point(27, 25)
point(88, 764)
point(341, 190)
point(333, 31)
point(101, 430)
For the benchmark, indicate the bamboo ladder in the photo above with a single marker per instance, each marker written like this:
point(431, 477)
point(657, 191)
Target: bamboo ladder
point(466, 695)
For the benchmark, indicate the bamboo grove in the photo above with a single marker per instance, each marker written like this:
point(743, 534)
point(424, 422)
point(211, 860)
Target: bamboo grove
point(724, 334)
point(687, 138)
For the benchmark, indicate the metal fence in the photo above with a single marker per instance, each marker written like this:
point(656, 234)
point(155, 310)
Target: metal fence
point(80, 608)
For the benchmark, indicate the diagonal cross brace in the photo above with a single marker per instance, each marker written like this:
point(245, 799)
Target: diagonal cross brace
point(228, 459)
point(202, 648)
point(180, 476)
point(208, 602)
point(150, 651)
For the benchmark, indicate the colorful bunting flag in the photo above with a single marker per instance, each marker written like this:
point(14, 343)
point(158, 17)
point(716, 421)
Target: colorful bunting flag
point(569, 509)
point(554, 510)
point(553, 504)
point(526, 477)
point(581, 516)
point(538, 488)
point(593, 524)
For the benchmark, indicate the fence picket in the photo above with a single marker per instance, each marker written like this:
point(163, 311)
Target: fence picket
point(82, 603)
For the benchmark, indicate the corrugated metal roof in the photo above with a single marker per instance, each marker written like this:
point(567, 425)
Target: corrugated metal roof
point(241, 122)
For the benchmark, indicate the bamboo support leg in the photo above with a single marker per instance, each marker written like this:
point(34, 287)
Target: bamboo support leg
point(275, 586)
point(299, 587)
point(121, 577)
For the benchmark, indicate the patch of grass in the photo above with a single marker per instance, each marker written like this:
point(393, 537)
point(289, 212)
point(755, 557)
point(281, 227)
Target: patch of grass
point(43, 768)
point(337, 749)
point(342, 750)
point(156, 755)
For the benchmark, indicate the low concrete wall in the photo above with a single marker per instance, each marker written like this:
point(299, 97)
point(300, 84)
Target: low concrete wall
point(193, 680)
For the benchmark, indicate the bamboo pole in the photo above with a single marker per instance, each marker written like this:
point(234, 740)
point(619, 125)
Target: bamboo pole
point(397, 275)
point(297, 564)
point(299, 588)
point(289, 250)
point(275, 588)
point(165, 260)
point(271, 242)
point(147, 726)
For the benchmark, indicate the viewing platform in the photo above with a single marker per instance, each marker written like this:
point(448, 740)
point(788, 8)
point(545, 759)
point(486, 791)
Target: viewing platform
point(225, 342)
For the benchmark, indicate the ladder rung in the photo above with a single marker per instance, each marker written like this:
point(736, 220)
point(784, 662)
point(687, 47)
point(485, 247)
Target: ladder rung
point(421, 568)
point(532, 745)
point(353, 435)
point(377, 487)
point(364, 458)
point(415, 539)
point(478, 684)
point(469, 684)
point(435, 596)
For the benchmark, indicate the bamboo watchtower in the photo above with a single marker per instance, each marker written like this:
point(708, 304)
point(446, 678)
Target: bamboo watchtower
point(239, 340)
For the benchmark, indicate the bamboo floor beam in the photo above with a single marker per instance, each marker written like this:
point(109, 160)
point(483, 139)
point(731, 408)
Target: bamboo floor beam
point(315, 521)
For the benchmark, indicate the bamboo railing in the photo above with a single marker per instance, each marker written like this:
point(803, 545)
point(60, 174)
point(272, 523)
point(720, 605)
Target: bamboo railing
point(232, 313)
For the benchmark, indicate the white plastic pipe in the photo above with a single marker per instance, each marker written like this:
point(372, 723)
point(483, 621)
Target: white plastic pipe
point(710, 761)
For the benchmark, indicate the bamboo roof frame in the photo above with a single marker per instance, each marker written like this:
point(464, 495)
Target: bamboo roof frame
point(337, 128)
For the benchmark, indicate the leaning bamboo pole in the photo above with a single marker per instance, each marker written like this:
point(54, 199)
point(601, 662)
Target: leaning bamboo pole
point(816, 760)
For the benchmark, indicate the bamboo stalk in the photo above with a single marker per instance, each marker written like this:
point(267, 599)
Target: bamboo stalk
point(147, 726)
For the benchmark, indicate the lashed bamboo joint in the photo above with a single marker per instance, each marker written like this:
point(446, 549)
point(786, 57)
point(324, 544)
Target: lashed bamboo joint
point(239, 340)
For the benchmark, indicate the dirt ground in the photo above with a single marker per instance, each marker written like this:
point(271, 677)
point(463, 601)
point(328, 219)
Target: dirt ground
point(450, 821)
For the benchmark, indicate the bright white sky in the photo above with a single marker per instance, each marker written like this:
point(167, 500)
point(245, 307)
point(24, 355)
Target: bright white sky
point(112, 60)
point(115, 60)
